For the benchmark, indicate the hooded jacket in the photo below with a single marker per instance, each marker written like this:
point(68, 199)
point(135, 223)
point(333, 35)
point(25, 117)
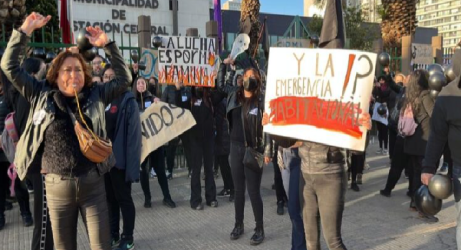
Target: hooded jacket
point(39, 95)
point(127, 138)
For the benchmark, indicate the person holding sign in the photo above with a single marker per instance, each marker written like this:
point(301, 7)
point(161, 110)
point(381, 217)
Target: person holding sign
point(67, 98)
point(156, 158)
point(244, 113)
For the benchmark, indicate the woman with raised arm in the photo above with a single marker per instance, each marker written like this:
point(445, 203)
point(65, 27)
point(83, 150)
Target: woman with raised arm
point(67, 98)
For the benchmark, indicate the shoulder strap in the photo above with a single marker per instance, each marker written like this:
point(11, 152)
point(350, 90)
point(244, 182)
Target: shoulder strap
point(244, 128)
point(74, 120)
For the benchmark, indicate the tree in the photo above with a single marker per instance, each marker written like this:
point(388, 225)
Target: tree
point(250, 9)
point(398, 20)
point(315, 25)
point(360, 34)
point(12, 15)
point(46, 7)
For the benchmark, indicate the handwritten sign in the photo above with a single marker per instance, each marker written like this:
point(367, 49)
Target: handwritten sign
point(161, 123)
point(319, 95)
point(149, 57)
point(190, 60)
point(422, 53)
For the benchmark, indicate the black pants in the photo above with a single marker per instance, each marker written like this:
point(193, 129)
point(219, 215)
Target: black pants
point(222, 162)
point(324, 198)
point(383, 137)
point(42, 237)
point(119, 196)
point(279, 188)
point(242, 177)
point(171, 150)
point(415, 173)
point(356, 165)
point(22, 195)
point(203, 153)
point(154, 160)
point(398, 164)
point(4, 187)
point(392, 139)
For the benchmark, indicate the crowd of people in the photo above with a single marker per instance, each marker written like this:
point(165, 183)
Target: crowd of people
point(106, 97)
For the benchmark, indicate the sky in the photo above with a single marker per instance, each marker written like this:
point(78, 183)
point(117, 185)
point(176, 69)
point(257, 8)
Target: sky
point(285, 7)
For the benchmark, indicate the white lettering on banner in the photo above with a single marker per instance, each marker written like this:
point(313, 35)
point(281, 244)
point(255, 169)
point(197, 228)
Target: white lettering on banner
point(161, 123)
point(319, 95)
point(189, 60)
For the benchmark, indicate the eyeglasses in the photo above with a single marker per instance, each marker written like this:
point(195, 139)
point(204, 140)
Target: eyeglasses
point(109, 77)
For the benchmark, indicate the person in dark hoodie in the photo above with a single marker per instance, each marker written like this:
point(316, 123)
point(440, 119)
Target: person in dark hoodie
point(202, 146)
point(155, 159)
point(124, 130)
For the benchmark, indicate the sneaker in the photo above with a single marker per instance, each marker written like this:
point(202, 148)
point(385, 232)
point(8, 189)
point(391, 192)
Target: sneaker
point(232, 196)
point(213, 204)
point(385, 193)
point(198, 207)
point(8, 206)
point(366, 167)
point(153, 174)
point(126, 244)
point(428, 218)
point(354, 187)
point(189, 174)
point(385, 152)
point(169, 203)
point(224, 193)
point(169, 175)
point(380, 151)
point(359, 179)
point(444, 168)
point(115, 240)
point(27, 220)
point(2, 221)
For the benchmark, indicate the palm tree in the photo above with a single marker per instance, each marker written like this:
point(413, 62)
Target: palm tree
point(250, 9)
point(398, 20)
point(12, 14)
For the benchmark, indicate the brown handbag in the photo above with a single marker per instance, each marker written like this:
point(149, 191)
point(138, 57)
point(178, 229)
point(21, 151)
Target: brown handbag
point(96, 149)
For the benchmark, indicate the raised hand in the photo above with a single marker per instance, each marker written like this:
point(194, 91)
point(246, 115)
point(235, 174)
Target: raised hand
point(97, 37)
point(34, 21)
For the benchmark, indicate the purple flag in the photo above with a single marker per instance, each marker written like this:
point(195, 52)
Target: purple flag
point(218, 19)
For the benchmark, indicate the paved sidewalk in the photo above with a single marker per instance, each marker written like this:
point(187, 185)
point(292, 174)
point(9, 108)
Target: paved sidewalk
point(370, 221)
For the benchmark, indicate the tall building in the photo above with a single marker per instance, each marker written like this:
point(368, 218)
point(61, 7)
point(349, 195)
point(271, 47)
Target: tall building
point(232, 5)
point(370, 10)
point(445, 15)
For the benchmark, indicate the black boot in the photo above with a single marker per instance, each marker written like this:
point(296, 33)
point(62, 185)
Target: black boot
point(354, 187)
point(2, 221)
point(258, 236)
point(280, 207)
point(27, 220)
point(237, 231)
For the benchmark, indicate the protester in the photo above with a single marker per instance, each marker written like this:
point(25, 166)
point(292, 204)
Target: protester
point(97, 65)
point(383, 95)
point(279, 188)
point(16, 103)
point(222, 144)
point(446, 128)
point(124, 130)
point(179, 96)
point(97, 79)
point(245, 102)
point(155, 160)
point(74, 184)
point(4, 163)
point(357, 162)
point(420, 102)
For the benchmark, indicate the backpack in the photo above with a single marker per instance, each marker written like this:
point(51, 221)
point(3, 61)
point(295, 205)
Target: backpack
point(407, 124)
point(8, 144)
point(9, 138)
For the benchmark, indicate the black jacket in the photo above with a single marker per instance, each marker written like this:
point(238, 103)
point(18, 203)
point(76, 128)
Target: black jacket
point(445, 127)
point(4, 111)
point(222, 136)
point(416, 144)
point(263, 142)
point(180, 98)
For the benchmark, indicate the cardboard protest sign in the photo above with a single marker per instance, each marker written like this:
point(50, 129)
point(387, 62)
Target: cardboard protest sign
point(422, 53)
point(162, 122)
point(149, 57)
point(190, 60)
point(319, 95)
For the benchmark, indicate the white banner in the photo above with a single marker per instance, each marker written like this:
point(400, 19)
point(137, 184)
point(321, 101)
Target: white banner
point(191, 60)
point(319, 95)
point(160, 123)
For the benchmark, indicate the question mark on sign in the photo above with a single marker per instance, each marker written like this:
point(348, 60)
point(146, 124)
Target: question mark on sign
point(360, 76)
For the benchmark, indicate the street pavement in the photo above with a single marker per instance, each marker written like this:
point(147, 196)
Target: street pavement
point(370, 220)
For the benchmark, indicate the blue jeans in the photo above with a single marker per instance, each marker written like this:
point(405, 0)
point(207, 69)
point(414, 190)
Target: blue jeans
point(457, 194)
point(293, 163)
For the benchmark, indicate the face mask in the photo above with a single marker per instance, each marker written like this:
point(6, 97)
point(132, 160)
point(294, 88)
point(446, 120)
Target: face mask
point(199, 92)
point(250, 84)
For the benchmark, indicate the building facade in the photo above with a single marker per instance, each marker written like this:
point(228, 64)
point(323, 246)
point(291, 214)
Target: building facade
point(445, 15)
point(232, 5)
point(370, 10)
